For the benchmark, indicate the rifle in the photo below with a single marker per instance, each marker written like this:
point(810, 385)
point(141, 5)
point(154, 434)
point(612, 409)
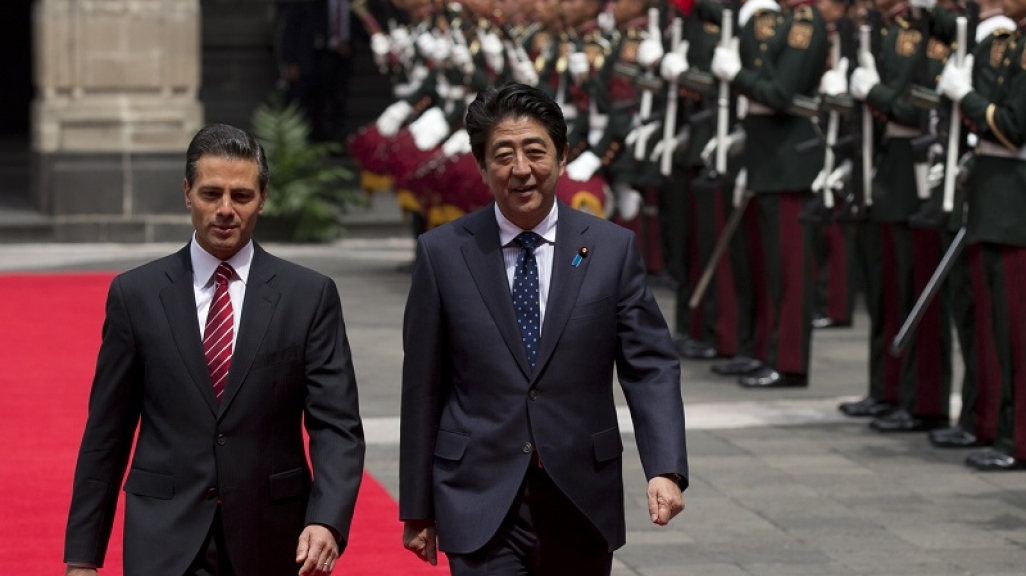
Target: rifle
point(722, 126)
point(645, 110)
point(957, 142)
point(904, 335)
point(865, 46)
point(672, 97)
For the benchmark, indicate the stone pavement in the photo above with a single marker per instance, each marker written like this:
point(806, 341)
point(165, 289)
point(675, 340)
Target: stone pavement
point(781, 484)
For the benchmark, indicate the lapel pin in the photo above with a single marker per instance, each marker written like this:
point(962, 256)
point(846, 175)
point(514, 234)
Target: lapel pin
point(582, 253)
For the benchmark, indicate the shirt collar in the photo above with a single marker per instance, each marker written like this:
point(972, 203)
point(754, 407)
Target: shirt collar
point(546, 228)
point(204, 264)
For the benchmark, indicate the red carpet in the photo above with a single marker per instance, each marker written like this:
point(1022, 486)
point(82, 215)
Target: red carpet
point(48, 342)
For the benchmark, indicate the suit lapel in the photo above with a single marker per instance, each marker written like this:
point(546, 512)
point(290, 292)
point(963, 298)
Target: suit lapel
point(483, 256)
point(179, 301)
point(257, 311)
point(566, 279)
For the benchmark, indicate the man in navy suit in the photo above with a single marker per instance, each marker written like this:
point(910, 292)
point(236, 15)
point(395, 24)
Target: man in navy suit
point(510, 454)
point(213, 360)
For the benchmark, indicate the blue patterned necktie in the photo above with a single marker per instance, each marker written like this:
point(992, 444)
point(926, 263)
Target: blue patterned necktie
point(525, 294)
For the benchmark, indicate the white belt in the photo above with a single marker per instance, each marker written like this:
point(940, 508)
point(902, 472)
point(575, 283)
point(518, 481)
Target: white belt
point(899, 131)
point(760, 109)
point(985, 148)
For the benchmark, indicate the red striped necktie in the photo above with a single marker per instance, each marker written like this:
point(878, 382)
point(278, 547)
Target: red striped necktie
point(220, 330)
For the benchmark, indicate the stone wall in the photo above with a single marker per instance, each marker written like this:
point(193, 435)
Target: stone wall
point(117, 84)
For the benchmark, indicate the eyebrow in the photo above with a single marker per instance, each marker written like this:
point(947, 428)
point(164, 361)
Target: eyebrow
point(508, 142)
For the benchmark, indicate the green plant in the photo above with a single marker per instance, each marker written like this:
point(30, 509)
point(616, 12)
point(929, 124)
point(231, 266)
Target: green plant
point(307, 192)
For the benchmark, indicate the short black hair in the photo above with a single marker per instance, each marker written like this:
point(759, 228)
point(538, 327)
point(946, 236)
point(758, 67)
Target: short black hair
point(228, 142)
point(510, 102)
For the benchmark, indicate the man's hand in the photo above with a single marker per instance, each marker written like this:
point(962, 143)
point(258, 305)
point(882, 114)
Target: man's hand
point(664, 500)
point(726, 62)
point(957, 81)
point(317, 551)
point(419, 538)
point(76, 571)
point(865, 77)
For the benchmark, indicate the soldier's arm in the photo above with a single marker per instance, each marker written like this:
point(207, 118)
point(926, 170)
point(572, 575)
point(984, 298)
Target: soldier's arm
point(1004, 121)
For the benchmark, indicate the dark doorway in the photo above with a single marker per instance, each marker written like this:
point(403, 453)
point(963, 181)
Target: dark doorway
point(15, 104)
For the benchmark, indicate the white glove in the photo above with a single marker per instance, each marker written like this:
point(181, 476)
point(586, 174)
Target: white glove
point(524, 73)
point(924, 4)
point(381, 47)
point(735, 143)
point(820, 181)
point(426, 45)
point(430, 129)
point(740, 186)
point(957, 81)
point(935, 175)
point(491, 46)
point(681, 139)
point(726, 62)
point(628, 203)
point(583, 167)
point(400, 37)
point(579, 66)
point(393, 117)
point(836, 179)
point(443, 48)
point(462, 59)
point(835, 81)
point(649, 52)
point(675, 63)
point(606, 21)
point(864, 77)
point(458, 143)
point(641, 133)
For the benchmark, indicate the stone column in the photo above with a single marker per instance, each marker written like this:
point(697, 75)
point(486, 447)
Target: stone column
point(116, 106)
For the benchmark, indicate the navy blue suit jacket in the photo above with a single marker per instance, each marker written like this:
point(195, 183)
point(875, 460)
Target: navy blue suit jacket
point(472, 408)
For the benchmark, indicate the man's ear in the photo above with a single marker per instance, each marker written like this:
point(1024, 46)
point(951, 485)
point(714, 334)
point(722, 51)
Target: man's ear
point(562, 158)
point(263, 198)
point(185, 192)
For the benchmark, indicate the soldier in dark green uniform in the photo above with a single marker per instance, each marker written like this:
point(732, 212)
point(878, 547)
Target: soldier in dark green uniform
point(901, 259)
point(780, 57)
point(995, 220)
point(966, 284)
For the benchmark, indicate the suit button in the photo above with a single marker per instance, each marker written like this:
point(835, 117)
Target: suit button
point(528, 447)
point(212, 493)
point(532, 394)
point(221, 440)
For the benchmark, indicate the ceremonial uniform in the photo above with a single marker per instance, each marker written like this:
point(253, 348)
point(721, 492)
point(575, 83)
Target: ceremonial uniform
point(995, 221)
point(782, 56)
point(901, 259)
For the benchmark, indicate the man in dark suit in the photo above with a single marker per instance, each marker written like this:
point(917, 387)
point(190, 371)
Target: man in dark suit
point(510, 453)
point(219, 355)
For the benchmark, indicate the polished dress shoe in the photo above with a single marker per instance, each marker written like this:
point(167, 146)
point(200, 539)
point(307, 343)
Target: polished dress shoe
point(695, 349)
point(766, 377)
point(901, 421)
point(954, 437)
point(991, 460)
point(736, 366)
point(866, 407)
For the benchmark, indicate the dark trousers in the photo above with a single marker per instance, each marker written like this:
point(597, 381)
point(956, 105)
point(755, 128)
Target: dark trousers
point(716, 321)
point(971, 306)
point(784, 291)
point(1006, 274)
point(831, 248)
point(212, 559)
point(544, 534)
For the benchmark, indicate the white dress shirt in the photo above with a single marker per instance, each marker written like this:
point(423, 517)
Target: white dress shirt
point(204, 283)
point(543, 253)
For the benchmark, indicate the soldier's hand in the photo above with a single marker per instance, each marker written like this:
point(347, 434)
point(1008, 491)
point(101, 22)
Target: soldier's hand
point(865, 77)
point(957, 81)
point(673, 65)
point(726, 62)
point(426, 44)
point(462, 59)
point(583, 167)
point(458, 143)
point(579, 67)
point(381, 47)
point(491, 46)
point(393, 117)
point(649, 52)
point(525, 73)
point(429, 129)
point(835, 81)
point(836, 180)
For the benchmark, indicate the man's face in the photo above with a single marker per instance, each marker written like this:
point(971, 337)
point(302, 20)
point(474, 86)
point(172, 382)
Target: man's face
point(548, 12)
point(578, 12)
point(1014, 9)
point(224, 201)
point(626, 10)
point(510, 10)
point(521, 167)
point(832, 10)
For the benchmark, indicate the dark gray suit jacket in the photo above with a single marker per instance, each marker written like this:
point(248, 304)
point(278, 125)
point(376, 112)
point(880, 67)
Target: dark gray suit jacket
point(473, 411)
point(291, 361)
